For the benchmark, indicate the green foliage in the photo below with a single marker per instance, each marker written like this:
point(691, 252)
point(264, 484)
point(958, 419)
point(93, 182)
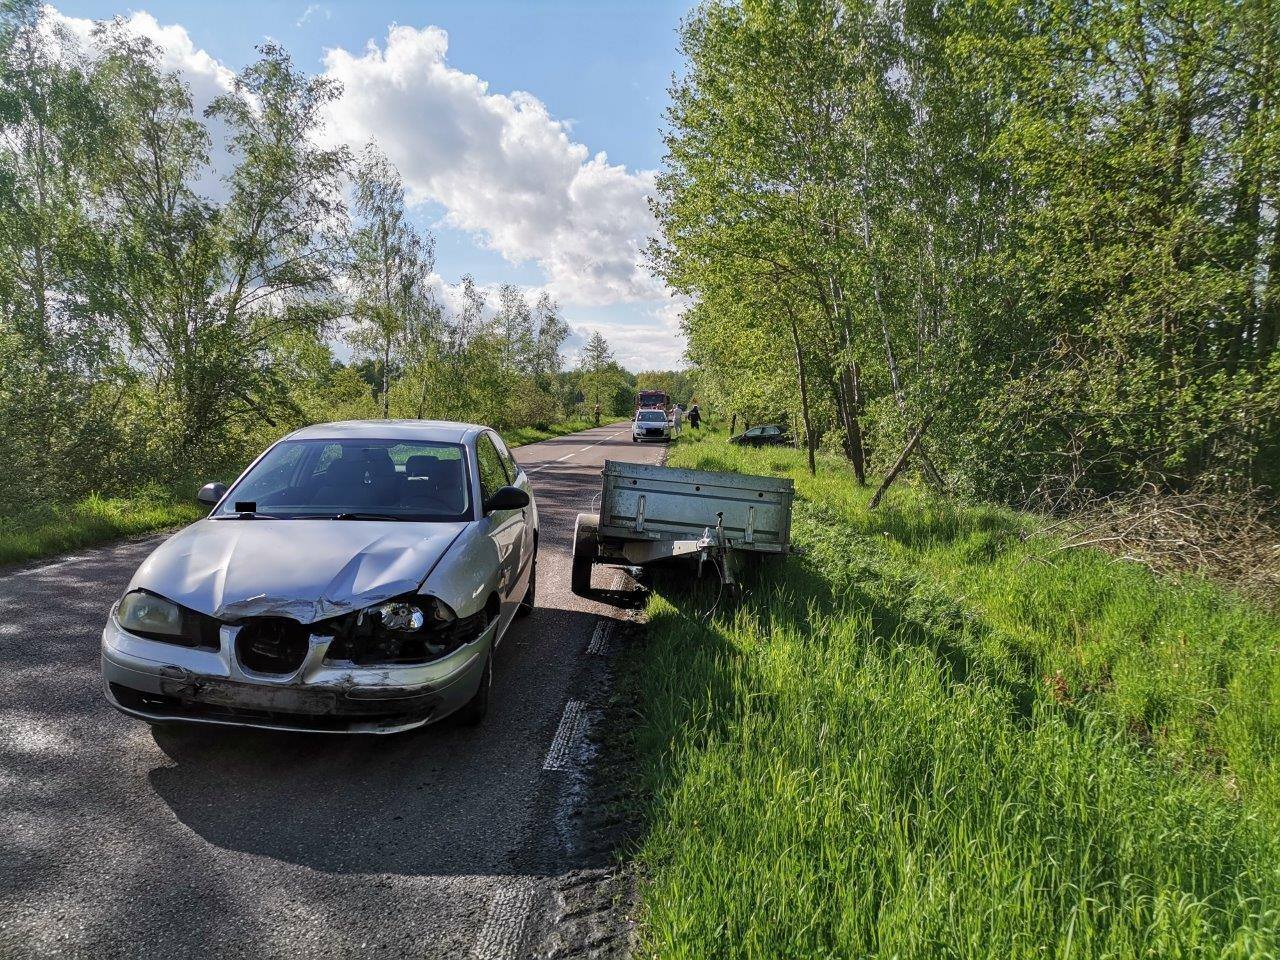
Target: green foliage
point(150, 333)
point(603, 385)
point(1052, 229)
point(934, 735)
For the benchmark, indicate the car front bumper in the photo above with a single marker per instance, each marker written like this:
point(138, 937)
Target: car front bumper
point(163, 682)
point(664, 435)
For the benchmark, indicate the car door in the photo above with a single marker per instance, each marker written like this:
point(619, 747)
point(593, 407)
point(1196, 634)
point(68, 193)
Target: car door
point(506, 528)
point(521, 479)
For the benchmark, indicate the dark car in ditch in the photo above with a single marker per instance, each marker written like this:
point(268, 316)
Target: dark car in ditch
point(765, 435)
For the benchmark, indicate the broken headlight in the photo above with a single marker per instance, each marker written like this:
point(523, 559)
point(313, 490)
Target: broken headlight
point(409, 629)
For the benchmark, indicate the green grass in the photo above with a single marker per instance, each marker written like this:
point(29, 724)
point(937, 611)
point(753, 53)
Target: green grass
point(49, 529)
point(520, 436)
point(932, 735)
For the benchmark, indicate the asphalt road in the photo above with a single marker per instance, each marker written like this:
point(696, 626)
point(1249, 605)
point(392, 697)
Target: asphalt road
point(117, 841)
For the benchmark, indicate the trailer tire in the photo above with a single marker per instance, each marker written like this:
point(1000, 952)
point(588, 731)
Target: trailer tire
point(584, 553)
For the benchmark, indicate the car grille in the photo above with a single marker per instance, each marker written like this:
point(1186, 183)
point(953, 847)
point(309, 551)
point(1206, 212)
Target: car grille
point(272, 645)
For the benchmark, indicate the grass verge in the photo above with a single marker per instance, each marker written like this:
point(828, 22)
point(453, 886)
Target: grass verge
point(934, 734)
point(520, 436)
point(49, 529)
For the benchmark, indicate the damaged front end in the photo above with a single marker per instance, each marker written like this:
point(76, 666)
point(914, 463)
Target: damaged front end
point(394, 665)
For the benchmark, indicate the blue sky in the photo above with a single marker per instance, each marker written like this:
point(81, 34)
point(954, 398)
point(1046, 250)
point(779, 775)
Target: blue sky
point(512, 185)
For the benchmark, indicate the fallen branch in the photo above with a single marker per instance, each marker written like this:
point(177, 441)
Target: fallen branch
point(902, 461)
point(1230, 535)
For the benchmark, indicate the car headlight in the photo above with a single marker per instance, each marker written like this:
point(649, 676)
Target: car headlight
point(411, 629)
point(401, 616)
point(146, 613)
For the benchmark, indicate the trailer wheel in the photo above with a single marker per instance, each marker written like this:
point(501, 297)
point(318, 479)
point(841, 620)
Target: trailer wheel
point(584, 553)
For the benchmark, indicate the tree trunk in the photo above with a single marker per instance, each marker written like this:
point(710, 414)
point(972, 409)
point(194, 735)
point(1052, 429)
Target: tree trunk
point(853, 428)
point(804, 391)
point(902, 462)
point(386, 380)
point(832, 299)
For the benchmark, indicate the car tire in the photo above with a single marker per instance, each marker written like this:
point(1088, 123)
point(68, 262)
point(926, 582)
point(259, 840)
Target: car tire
point(531, 595)
point(584, 553)
point(473, 711)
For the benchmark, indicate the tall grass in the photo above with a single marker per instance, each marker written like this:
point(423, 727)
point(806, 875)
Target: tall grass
point(933, 735)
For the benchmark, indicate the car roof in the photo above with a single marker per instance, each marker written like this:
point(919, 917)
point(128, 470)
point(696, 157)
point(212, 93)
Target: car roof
point(440, 431)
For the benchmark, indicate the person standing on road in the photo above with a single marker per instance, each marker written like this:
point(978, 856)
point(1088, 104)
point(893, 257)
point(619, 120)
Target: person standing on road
point(677, 417)
point(596, 411)
point(695, 415)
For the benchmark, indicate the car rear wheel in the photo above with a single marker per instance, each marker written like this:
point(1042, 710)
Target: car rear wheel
point(473, 711)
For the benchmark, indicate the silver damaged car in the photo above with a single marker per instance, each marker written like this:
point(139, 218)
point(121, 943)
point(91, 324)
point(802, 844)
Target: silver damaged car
point(357, 578)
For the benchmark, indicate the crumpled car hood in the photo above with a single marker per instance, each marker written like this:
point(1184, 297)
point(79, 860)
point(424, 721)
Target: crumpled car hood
point(305, 569)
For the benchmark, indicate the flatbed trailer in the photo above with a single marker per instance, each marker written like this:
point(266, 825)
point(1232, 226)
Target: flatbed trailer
point(650, 514)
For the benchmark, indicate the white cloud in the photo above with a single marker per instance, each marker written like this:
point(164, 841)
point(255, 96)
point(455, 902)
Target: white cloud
point(649, 340)
point(314, 11)
point(500, 165)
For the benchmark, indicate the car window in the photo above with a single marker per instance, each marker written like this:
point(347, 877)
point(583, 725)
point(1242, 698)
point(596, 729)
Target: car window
point(651, 416)
point(492, 473)
point(275, 472)
point(755, 432)
point(772, 431)
point(400, 479)
point(513, 468)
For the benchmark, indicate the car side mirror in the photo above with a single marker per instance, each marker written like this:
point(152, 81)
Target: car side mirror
point(211, 493)
point(506, 498)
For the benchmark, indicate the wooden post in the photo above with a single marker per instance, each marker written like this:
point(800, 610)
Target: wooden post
point(733, 425)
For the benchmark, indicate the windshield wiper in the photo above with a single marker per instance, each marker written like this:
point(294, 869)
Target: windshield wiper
point(249, 515)
point(366, 516)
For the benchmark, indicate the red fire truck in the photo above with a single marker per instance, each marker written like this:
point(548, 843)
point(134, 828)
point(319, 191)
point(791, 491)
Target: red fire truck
point(653, 400)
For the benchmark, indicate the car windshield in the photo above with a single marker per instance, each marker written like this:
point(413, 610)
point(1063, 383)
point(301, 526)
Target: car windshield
point(651, 416)
point(355, 480)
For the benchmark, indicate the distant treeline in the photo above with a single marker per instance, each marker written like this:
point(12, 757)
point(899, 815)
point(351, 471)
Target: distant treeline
point(150, 333)
point(1047, 234)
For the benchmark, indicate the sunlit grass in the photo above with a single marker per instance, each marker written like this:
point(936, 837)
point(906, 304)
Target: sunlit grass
point(935, 735)
point(47, 531)
point(519, 436)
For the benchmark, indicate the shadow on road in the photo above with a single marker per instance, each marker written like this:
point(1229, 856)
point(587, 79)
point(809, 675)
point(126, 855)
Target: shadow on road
point(443, 800)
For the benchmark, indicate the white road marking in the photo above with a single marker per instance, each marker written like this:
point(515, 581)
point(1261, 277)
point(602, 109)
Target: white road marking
point(600, 644)
point(503, 929)
point(574, 453)
point(558, 756)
